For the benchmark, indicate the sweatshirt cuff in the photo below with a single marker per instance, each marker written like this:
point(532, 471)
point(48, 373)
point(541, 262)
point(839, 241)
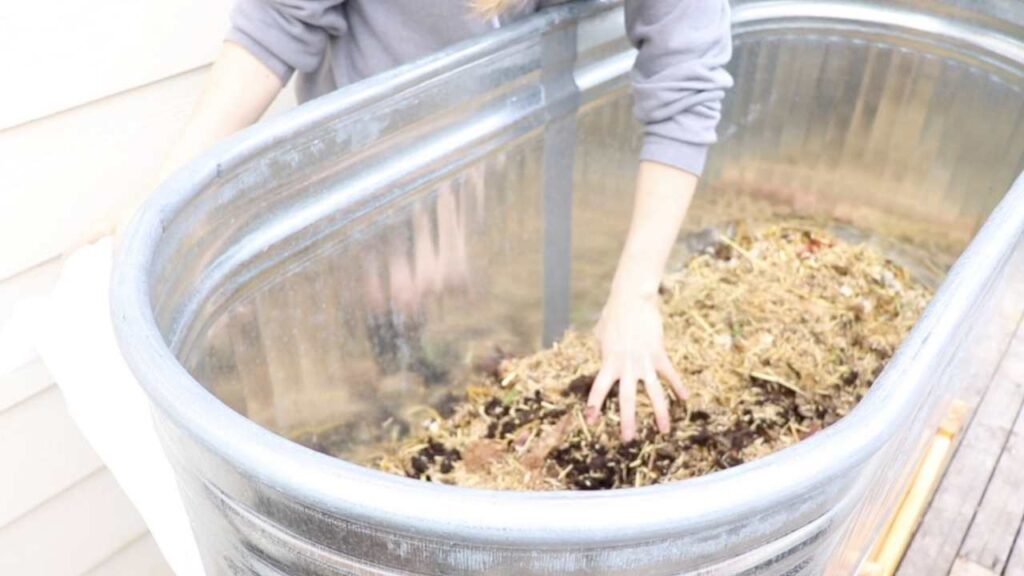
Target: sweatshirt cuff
point(682, 155)
point(279, 67)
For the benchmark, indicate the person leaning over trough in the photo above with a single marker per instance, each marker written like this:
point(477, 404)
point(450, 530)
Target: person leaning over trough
point(679, 82)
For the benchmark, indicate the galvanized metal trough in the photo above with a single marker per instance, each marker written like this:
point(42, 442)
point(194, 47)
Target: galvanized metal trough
point(332, 264)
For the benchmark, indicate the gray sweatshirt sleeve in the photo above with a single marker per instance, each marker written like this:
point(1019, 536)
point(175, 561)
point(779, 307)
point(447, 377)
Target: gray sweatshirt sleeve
point(287, 35)
point(679, 78)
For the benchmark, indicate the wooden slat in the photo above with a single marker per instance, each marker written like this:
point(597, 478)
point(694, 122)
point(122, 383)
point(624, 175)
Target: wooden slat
point(1015, 566)
point(42, 453)
point(889, 550)
point(139, 558)
point(71, 532)
point(964, 567)
point(990, 537)
point(935, 545)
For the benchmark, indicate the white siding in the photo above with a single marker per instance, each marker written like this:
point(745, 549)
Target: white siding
point(39, 440)
point(28, 379)
point(141, 557)
point(95, 93)
point(36, 281)
point(71, 176)
point(23, 383)
point(64, 53)
point(68, 177)
point(61, 512)
point(72, 532)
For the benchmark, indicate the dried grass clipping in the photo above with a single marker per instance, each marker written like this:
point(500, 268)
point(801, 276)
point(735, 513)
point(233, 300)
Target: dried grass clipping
point(778, 334)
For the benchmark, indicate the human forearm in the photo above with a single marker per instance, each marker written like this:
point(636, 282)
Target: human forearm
point(679, 80)
point(239, 89)
point(630, 331)
point(663, 195)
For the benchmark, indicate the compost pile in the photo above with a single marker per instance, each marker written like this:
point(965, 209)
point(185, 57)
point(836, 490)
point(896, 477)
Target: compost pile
point(778, 332)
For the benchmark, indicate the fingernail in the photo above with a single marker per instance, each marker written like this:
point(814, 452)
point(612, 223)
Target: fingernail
point(590, 415)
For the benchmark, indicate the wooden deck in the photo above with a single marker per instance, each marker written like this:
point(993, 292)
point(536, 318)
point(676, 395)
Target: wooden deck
point(973, 524)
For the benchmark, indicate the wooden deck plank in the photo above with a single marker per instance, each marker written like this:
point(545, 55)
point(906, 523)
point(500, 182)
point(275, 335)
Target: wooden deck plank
point(963, 567)
point(1015, 566)
point(990, 537)
point(940, 535)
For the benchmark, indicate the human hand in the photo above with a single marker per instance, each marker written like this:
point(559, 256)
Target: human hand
point(633, 350)
point(630, 331)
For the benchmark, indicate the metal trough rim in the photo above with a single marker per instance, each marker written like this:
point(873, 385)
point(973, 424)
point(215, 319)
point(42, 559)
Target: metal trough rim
point(553, 518)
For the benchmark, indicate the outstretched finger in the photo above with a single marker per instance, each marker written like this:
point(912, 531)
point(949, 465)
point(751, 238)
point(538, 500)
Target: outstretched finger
point(666, 369)
point(627, 404)
point(599, 391)
point(658, 400)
